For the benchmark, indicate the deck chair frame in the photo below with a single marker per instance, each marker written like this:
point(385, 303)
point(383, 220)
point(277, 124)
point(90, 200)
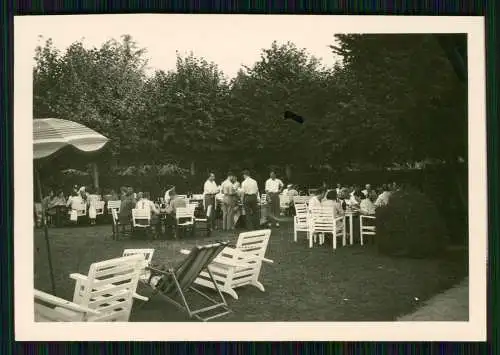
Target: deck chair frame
point(175, 285)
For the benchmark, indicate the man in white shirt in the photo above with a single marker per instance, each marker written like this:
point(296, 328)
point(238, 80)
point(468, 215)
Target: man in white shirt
point(250, 197)
point(228, 202)
point(210, 189)
point(273, 189)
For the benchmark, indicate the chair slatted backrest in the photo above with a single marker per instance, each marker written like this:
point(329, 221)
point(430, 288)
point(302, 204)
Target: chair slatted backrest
point(284, 201)
point(147, 253)
point(322, 219)
point(197, 260)
point(99, 206)
point(300, 200)
point(111, 285)
point(254, 243)
point(143, 214)
point(184, 212)
point(114, 205)
point(301, 214)
point(197, 197)
point(81, 208)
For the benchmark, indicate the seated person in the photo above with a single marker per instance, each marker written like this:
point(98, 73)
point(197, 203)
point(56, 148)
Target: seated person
point(355, 200)
point(332, 201)
point(315, 201)
point(174, 202)
point(383, 198)
point(367, 207)
point(143, 202)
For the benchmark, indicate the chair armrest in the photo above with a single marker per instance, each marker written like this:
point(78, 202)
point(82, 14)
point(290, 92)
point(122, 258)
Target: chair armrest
point(78, 277)
point(60, 302)
point(367, 216)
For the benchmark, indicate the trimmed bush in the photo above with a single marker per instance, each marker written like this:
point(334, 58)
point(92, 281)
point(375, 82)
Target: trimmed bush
point(410, 225)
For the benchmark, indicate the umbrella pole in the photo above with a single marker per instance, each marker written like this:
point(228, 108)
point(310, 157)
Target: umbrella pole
point(46, 233)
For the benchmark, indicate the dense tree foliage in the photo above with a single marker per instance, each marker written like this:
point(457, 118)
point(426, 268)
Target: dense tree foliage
point(394, 99)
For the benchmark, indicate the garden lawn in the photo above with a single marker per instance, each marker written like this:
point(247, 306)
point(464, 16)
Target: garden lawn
point(353, 283)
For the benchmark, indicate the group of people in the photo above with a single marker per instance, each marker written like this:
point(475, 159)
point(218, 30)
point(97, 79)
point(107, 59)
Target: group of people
point(233, 193)
point(365, 201)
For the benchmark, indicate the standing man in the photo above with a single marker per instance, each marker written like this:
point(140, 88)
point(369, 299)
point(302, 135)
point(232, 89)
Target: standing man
point(210, 189)
point(273, 190)
point(228, 201)
point(250, 197)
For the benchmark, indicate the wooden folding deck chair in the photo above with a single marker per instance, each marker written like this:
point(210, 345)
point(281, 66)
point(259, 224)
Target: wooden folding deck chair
point(238, 266)
point(175, 282)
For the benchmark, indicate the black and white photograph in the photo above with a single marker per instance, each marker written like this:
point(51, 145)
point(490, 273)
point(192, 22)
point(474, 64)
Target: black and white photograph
point(250, 177)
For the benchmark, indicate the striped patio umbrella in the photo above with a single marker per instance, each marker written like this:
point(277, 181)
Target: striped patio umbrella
point(51, 135)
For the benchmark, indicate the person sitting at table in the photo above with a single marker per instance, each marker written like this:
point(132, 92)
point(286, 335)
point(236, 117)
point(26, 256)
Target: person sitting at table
point(355, 199)
point(332, 201)
point(74, 202)
point(315, 201)
point(143, 202)
point(174, 203)
point(383, 198)
point(367, 207)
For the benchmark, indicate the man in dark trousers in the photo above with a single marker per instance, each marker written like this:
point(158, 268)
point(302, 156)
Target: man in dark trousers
point(250, 197)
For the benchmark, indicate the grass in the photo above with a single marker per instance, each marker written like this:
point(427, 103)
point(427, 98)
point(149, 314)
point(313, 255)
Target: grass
point(354, 283)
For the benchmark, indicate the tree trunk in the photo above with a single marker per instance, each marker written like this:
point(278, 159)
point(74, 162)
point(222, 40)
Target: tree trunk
point(288, 171)
point(192, 168)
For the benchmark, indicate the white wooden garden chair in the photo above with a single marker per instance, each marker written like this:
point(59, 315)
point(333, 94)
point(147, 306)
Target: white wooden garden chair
point(300, 220)
point(114, 205)
point(238, 266)
point(184, 217)
point(321, 221)
point(109, 287)
point(301, 200)
point(366, 226)
point(141, 219)
point(99, 208)
point(284, 202)
point(81, 210)
point(49, 308)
